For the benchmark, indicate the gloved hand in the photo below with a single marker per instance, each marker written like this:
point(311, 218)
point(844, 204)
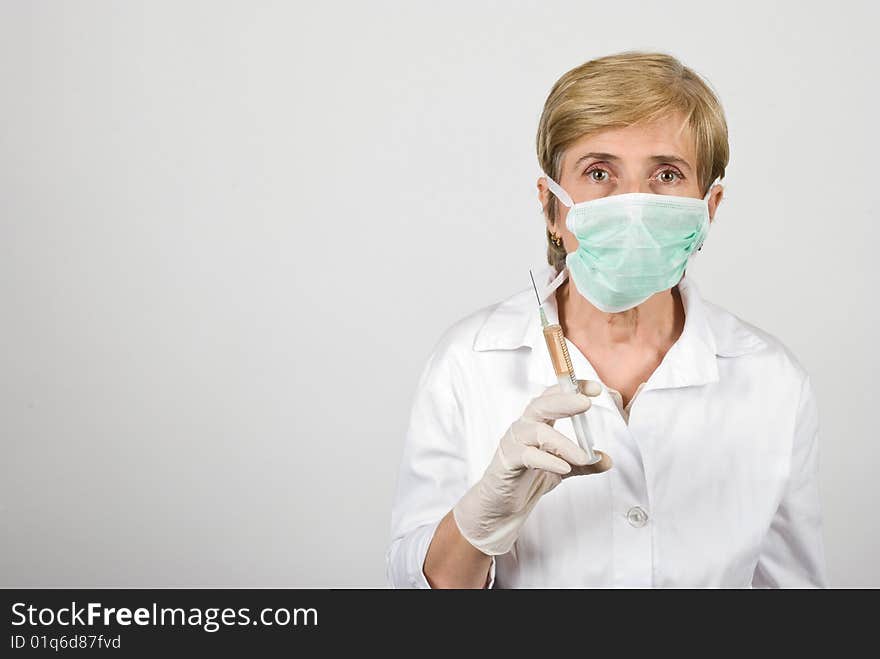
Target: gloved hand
point(532, 458)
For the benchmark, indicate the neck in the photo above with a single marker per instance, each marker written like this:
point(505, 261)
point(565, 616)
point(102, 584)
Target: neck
point(654, 324)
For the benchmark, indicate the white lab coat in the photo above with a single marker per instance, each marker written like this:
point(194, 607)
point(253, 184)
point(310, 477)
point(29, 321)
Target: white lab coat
point(715, 476)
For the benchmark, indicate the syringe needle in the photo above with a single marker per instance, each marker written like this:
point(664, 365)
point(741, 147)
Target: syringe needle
point(544, 322)
point(538, 297)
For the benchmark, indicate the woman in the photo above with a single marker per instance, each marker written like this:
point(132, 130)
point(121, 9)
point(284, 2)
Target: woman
point(711, 422)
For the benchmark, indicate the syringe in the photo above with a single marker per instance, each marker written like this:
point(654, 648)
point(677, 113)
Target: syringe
point(565, 376)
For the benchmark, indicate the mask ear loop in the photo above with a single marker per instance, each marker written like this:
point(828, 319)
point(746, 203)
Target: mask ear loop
point(709, 191)
point(706, 199)
point(561, 194)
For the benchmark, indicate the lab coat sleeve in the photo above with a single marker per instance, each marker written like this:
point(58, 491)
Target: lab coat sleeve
point(793, 552)
point(432, 476)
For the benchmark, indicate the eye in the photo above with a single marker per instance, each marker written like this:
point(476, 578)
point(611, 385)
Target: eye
point(597, 170)
point(669, 175)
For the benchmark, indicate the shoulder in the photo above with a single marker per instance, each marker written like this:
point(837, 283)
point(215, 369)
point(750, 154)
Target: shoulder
point(501, 325)
point(753, 346)
point(485, 327)
point(460, 336)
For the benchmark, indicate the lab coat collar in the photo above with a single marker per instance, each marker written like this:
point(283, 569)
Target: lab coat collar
point(708, 332)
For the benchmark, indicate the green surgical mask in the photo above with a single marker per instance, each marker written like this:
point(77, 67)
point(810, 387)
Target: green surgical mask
point(631, 245)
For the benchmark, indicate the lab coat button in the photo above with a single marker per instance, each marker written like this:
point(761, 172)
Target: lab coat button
point(636, 516)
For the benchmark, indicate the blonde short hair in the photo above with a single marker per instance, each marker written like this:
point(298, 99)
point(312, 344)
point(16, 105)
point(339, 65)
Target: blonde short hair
point(621, 90)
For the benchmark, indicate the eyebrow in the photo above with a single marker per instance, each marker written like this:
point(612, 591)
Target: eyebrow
point(610, 156)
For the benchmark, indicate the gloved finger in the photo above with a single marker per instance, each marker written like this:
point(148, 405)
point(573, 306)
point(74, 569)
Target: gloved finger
point(551, 406)
point(535, 458)
point(589, 387)
point(583, 470)
point(552, 441)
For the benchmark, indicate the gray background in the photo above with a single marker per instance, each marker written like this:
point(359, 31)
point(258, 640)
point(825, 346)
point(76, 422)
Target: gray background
point(231, 233)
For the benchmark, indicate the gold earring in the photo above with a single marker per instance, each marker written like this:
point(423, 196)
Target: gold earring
point(557, 239)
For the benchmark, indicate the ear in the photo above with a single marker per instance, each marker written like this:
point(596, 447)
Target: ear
point(543, 191)
point(715, 199)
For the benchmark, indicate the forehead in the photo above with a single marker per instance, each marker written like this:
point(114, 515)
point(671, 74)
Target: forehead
point(669, 135)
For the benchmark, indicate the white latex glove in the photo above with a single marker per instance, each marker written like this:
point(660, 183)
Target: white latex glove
point(532, 458)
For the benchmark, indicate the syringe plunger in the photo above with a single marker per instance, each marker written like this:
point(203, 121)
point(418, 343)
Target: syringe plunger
point(567, 382)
